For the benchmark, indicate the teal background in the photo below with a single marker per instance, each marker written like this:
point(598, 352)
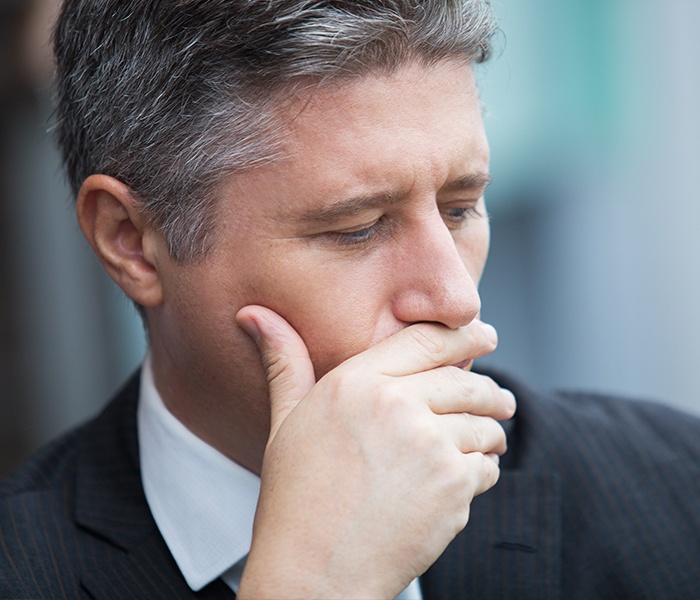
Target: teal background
point(594, 121)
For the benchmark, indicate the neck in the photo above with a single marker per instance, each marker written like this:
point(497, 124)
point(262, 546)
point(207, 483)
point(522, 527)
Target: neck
point(228, 409)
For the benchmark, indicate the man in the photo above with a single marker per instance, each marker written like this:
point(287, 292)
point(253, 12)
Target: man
point(292, 194)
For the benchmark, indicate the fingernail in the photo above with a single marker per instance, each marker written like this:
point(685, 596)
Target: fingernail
point(251, 328)
point(509, 398)
point(494, 457)
point(490, 332)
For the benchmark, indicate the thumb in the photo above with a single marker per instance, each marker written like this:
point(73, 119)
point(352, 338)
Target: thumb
point(290, 373)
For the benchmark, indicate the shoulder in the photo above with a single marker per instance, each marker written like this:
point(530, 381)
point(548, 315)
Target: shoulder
point(608, 449)
point(626, 475)
point(53, 467)
point(40, 540)
point(35, 509)
point(50, 467)
point(590, 427)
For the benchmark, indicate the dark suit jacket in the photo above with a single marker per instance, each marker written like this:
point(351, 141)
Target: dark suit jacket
point(598, 498)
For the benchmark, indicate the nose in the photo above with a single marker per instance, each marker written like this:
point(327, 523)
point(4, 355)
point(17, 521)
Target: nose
point(433, 283)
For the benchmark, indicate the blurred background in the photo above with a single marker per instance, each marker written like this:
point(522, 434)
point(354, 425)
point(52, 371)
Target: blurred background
point(593, 112)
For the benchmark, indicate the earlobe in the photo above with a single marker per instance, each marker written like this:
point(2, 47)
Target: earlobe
point(121, 237)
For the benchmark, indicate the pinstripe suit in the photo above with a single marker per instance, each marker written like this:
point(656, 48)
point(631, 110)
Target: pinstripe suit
point(598, 498)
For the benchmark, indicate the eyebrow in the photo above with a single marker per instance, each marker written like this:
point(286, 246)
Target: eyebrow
point(347, 208)
point(352, 206)
point(473, 181)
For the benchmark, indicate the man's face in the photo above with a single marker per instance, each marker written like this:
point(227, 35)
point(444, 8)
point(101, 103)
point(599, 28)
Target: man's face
point(375, 221)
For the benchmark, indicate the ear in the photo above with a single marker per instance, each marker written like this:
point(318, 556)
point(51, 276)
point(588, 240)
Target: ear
point(121, 236)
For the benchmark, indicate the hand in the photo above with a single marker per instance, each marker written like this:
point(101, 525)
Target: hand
point(369, 472)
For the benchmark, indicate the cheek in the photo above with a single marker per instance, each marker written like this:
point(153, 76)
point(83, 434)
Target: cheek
point(473, 247)
point(204, 323)
point(339, 308)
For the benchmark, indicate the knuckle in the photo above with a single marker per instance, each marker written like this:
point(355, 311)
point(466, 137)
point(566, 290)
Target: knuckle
point(493, 472)
point(487, 473)
point(478, 394)
point(342, 383)
point(490, 397)
point(446, 473)
point(462, 381)
point(389, 398)
point(468, 390)
point(276, 366)
point(427, 340)
point(432, 438)
point(392, 408)
point(482, 434)
point(495, 440)
point(461, 518)
point(485, 336)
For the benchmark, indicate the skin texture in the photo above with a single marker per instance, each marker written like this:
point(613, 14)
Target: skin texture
point(315, 343)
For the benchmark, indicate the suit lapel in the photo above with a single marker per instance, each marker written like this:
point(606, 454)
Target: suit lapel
point(511, 547)
point(145, 571)
point(124, 555)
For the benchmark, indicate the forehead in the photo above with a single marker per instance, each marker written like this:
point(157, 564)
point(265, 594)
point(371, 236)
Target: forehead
point(402, 98)
point(417, 127)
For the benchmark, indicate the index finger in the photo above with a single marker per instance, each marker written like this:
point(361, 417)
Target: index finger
point(426, 346)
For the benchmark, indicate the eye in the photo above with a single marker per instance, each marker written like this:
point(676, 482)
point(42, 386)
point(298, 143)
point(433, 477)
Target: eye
point(358, 236)
point(456, 216)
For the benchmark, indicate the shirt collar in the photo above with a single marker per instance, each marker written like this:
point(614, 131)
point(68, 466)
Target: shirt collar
point(203, 502)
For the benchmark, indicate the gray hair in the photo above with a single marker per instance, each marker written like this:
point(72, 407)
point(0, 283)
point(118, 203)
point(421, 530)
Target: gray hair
point(170, 96)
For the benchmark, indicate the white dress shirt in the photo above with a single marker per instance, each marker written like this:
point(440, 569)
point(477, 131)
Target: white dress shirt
point(203, 503)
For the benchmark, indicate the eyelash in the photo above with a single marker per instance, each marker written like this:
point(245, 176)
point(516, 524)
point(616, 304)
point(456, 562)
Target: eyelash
point(462, 214)
point(360, 236)
point(453, 217)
